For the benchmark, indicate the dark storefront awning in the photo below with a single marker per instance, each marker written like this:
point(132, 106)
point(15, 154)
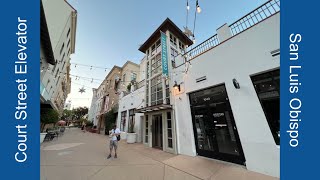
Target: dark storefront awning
point(154, 108)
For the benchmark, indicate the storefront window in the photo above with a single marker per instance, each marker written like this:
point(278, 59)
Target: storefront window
point(169, 129)
point(267, 86)
point(123, 120)
point(131, 117)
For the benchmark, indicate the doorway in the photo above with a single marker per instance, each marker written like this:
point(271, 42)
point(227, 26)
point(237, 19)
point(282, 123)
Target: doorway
point(215, 131)
point(157, 131)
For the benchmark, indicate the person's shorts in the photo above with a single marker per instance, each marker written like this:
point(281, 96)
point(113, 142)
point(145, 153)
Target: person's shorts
point(113, 144)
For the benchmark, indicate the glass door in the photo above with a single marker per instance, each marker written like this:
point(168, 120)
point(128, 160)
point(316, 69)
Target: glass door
point(214, 127)
point(204, 131)
point(157, 132)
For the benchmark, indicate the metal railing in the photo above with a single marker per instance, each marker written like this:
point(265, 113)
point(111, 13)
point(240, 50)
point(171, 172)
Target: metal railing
point(140, 84)
point(254, 17)
point(201, 48)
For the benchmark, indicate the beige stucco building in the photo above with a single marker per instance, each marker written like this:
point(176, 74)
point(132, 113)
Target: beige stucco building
point(115, 83)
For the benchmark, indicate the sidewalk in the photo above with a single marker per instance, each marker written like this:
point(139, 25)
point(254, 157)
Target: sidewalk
point(82, 156)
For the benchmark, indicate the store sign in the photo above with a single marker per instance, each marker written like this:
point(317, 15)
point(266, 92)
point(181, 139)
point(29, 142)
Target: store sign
point(164, 54)
point(217, 115)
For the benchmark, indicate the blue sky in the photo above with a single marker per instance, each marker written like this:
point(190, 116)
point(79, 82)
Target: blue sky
point(110, 32)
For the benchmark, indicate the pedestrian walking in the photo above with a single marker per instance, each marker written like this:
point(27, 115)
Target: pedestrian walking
point(83, 128)
point(114, 138)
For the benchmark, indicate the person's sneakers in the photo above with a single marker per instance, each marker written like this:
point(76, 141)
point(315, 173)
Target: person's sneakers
point(109, 156)
point(115, 156)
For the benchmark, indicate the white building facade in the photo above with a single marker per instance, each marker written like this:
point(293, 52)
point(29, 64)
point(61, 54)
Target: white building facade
point(130, 101)
point(92, 110)
point(61, 20)
point(222, 98)
point(98, 103)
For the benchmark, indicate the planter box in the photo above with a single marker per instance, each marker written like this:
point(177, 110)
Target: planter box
point(42, 136)
point(131, 138)
point(123, 135)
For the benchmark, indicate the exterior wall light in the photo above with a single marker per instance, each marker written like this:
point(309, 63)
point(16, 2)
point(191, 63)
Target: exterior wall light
point(176, 86)
point(236, 84)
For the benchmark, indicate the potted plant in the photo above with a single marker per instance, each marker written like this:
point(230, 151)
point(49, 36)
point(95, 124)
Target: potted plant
point(47, 116)
point(131, 135)
point(129, 88)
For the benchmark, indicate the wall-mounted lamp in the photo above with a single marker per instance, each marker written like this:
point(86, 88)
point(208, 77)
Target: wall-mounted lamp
point(236, 84)
point(176, 86)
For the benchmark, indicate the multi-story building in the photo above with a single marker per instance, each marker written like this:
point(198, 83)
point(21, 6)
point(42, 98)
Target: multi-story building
point(46, 58)
point(131, 100)
point(109, 90)
point(219, 99)
point(92, 110)
point(107, 95)
point(61, 20)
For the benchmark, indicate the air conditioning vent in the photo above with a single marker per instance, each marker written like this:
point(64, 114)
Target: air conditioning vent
point(275, 52)
point(201, 79)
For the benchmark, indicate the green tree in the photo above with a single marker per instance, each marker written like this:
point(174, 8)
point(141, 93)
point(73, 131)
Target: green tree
point(110, 120)
point(67, 114)
point(79, 112)
point(129, 87)
point(48, 116)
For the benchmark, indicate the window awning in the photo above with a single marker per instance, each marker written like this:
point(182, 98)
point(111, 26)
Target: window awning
point(154, 108)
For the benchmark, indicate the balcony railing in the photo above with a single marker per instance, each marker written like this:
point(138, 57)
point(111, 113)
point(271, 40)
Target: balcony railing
point(254, 17)
point(140, 84)
point(199, 49)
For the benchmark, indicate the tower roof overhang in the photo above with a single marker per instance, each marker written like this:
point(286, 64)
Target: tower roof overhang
point(166, 25)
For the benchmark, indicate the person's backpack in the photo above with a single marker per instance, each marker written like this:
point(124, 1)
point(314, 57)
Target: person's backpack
point(118, 138)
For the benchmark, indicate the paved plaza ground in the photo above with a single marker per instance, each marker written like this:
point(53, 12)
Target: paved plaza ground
point(82, 156)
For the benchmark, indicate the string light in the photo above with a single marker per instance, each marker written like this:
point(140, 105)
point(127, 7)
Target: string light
point(198, 8)
point(97, 67)
point(188, 7)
